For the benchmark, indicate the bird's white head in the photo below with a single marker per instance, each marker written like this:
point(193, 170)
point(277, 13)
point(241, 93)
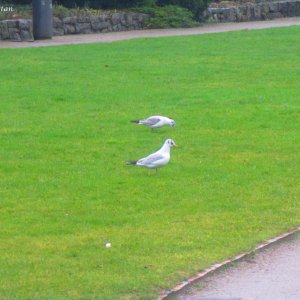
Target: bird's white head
point(172, 123)
point(170, 143)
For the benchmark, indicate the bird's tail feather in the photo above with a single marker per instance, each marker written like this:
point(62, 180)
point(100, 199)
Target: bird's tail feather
point(135, 121)
point(131, 162)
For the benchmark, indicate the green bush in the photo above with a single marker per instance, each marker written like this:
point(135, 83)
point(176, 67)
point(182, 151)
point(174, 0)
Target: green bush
point(25, 12)
point(160, 9)
point(161, 17)
point(62, 12)
point(169, 16)
point(103, 4)
point(195, 6)
point(115, 4)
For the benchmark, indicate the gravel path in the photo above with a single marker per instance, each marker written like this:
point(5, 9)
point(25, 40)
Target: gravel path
point(272, 274)
point(125, 35)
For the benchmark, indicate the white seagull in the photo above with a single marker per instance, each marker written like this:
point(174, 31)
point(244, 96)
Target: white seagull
point(158, 159)
point(156, 122)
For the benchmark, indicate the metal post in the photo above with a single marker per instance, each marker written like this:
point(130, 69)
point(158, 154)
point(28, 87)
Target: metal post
point(42, 19)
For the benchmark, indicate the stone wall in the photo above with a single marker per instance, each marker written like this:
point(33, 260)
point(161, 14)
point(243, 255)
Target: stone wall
point(16, 30)
point(21, 29)
point(253, 11)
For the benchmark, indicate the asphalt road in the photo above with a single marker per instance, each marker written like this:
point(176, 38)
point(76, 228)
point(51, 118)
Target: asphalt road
point(126, 35)
point(272, 274)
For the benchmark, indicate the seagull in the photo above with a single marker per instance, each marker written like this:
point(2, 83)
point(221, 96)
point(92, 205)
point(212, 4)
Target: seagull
point(156, 122)
point(157, 159)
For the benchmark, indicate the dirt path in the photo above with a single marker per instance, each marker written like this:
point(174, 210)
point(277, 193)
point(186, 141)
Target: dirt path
point(272, 274)
point(125, 35)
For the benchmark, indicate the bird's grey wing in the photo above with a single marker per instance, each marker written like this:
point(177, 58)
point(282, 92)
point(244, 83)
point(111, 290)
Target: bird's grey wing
point(151, 159)
point(151, 121)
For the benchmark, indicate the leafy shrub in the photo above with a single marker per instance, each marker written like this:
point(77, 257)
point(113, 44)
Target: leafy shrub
point(168, 13)
point(169, 16)
point(195, 6)
point(25, 12)
point(61, 11)
point(119, 4)
point(103, 4)
point(20, 11)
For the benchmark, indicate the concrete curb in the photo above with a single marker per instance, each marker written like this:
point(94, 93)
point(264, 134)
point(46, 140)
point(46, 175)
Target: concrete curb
point(165, 294)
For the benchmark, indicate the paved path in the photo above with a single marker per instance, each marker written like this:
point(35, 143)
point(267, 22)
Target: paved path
point(125, 35)
point(272, 274)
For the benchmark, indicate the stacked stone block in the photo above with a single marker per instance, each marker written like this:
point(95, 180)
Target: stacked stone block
point(254, 11)
point(18, 30)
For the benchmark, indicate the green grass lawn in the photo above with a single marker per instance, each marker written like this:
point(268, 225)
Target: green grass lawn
point(65, 135)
